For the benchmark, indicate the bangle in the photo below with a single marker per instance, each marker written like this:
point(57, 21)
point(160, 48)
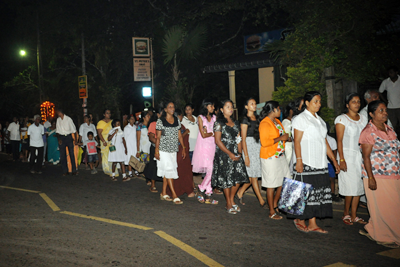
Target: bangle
point(342, 160)
point(156, 152)
point(184, 147)
point(370, 178)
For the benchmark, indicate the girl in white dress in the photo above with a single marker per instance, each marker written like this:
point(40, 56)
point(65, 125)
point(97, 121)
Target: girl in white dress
point(348, 130)
point(116, 135)
point(130, 139)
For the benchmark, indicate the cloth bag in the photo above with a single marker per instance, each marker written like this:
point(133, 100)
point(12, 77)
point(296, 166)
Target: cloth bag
point(294, 196)
point(136, 164)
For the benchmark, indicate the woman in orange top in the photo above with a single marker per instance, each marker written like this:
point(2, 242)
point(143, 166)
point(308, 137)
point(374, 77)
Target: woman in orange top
point(273, 162)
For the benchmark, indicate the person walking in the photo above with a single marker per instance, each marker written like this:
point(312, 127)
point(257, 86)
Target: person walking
point(381, 177)
point(53, 152)
point(118, 154)
point(311, 165)
point(130, 140)
point(65, 128)
point(190, 122)
point(86, 127)
point(36, 145)
point(287, 126)
point(103, 129)
point(392, 86)
point(168, 135)
point(142, 137)
point(348, 129)
point(15, 138)
point(273, 161)
point(251, 151)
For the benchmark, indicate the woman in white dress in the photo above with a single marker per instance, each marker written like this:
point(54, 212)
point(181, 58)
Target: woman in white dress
point(287, 125)
point(348, 130)
point(190, 123)
point(117, 155)
point(142, 135)
point(130, 139)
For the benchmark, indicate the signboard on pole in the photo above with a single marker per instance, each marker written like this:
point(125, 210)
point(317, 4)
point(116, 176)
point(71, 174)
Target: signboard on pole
point(82, 82)
point(141, 70)
point(141, 47)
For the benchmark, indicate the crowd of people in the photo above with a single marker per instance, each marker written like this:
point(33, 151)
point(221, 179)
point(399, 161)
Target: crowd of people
point(231, 155)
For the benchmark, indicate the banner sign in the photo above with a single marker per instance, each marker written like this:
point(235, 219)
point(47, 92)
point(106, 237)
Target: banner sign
point(141, 70)
point(256, 43)
point(141, 47)
point(82, 83)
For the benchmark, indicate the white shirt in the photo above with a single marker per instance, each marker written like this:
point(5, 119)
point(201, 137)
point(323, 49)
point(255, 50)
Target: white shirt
point(393, 91)
point(364, 113)
point(313, 144)
point(65, 126)
point(36, 135)
point(352, 131)
point(194, 131)
point(332, 142)
point(13, 128)
point(85, 128)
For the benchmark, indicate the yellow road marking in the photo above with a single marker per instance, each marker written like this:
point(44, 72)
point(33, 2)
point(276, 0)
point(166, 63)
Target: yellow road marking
point(195, 253)
point(393, 253)
point(49, 202)
point(107, 220)
point(19, 189)
point(339, 264)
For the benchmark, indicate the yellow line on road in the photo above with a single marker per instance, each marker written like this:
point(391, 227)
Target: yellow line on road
point(49, 202)
point(107, 220)
point(393, 253)
point(339, 264)
point(195, 253)
point(19, 189)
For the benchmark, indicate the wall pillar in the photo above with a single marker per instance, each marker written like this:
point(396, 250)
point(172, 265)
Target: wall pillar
point(266, 85)
point(232, 87)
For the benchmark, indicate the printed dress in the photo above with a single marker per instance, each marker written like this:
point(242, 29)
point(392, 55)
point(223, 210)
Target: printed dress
point(226, 172)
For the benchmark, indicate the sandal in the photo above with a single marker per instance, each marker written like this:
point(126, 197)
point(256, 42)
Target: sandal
point(359, 220)
point(126, 179)
point(365, 233)
point(276, 210)
point(211, 201)
point(300, 227)
point(165, 197)
point(388, 245)
point(218, 191)
point(200, 197)
point(177, 201)
point(232, 211)
point(264, 206)
point(347, 220)
point(240, 199)
point(153, 189)
point(236, 207)
point(148, 183)
point(114, 179)
point(318, 230)
point(275, 216)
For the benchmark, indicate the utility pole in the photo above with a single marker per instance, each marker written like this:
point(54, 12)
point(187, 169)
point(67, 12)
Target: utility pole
point(152, 70)
point(84, 73)
point(39, 59)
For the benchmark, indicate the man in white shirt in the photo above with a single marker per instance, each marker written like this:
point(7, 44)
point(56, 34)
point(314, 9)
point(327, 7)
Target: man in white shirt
point(84, 129)
point(65, 128)
point(392, 86)
point(15, 138)
point(369, 96)
point(36, 144)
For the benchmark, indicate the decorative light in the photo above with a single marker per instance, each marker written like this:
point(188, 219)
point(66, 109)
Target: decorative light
point(47, 110)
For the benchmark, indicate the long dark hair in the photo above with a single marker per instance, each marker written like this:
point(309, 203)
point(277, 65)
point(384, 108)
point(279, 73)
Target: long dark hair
point(288, 108)
point(220, 117)
point(347, 100)
point(308, 97)
point(159, 110)
point(142, 115)
point(203, 110)
point(245, 111)
point(267, 109)
point(373, 106)
point(164, 114)
point(297, 103)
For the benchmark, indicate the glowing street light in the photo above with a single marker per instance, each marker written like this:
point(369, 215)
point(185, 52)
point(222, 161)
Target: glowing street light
point(22, 53)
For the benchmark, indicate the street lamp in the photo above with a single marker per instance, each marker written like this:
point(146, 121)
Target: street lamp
point(22, 53)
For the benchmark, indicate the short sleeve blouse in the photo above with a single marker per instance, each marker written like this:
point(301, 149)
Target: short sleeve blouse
point(169, 135)
point(352, 131)
point(251, 126)
point(313, 144)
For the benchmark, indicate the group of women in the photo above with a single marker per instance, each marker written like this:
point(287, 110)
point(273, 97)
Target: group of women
point(232, 156)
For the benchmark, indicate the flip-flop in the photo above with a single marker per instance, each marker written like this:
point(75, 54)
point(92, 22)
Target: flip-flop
point(359, 220)
point(231, 211)
point(318, 230)
point(236, 207)
point(365, 233)
point(300, 227)
point(275, 216)
point(388, 245)
point(177, 201)
point(165, 197)
point(347, 220)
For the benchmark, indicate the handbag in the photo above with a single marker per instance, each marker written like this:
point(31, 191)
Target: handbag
point(136, 164)
point(112, 148)
point(294, 196)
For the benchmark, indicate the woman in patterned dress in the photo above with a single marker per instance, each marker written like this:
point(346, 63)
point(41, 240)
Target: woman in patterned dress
point(381, 173)
point(311, 164)
point(229, 170)
point(273, 161)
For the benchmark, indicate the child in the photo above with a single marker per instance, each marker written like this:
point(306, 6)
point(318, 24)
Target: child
point(117, 152)
point(332, 175)
point(229, 170)
point(91, 149)
point(203, 155)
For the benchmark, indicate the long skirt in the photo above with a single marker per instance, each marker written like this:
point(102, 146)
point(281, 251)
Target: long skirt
point(350, 182)
point(319, 202)
point(167, 166)
point(185, 182)
point(384, 206)
point(150, 171)
point(253, 148)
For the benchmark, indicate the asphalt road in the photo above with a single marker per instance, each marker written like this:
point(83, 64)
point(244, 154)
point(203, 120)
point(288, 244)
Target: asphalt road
point(130, 226)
